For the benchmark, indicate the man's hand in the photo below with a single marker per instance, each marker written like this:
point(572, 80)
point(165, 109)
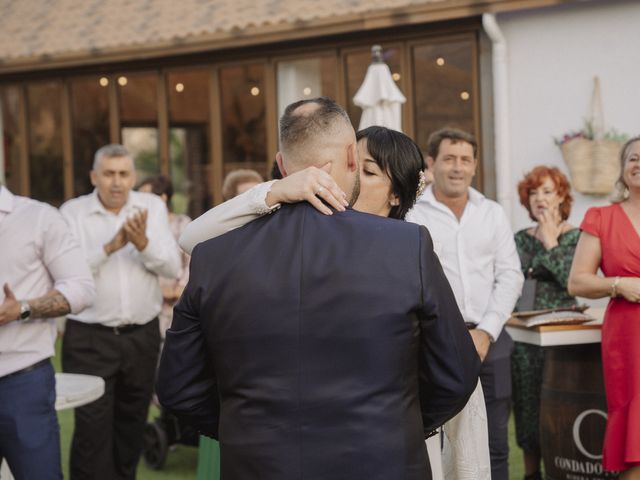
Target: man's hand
point(136, 230)
point(311, 184)
point(482, 342)
point(10, 308)
point(118, 241)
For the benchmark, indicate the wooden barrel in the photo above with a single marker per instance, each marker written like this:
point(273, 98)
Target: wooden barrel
point(573, 413)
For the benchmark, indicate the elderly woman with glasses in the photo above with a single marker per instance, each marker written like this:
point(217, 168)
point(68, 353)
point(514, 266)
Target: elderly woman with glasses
point(546, 251)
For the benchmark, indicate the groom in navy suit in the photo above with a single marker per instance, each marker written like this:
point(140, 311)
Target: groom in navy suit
point(314, 346)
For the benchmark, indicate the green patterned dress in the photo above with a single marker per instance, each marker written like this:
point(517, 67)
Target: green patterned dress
point(551, 270)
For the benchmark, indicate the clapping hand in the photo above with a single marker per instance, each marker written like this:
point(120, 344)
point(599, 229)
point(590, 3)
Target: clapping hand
point(549, 228)
point(10, 307)
point(311, 184)
point(135, 229)
point(118, 241)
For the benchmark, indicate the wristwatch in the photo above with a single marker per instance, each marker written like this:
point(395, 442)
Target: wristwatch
point(25, 312)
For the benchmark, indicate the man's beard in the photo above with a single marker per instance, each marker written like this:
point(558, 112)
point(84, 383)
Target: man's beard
point(355, 193)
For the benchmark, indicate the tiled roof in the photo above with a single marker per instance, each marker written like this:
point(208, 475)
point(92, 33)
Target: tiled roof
point(34, 31)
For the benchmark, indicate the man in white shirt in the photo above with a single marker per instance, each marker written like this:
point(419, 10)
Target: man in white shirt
point(126, 239)
point(43, 275)
point(473, 239)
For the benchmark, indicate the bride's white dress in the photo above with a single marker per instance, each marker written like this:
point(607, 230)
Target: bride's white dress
point(465, 451)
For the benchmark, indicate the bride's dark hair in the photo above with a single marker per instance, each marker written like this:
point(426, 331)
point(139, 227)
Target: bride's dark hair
point(400, 157)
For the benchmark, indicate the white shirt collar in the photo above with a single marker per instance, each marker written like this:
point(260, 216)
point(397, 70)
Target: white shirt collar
point(428, 196)
point(98, 207)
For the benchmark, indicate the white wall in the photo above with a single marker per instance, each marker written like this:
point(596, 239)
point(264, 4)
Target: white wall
point(553, 55)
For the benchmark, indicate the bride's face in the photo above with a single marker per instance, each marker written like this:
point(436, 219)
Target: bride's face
point(376, 196)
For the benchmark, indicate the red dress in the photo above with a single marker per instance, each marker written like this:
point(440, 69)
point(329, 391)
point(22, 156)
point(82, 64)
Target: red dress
point(620, 245)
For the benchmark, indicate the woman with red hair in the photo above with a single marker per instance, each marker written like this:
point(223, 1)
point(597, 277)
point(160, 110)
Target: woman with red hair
point(546, 251)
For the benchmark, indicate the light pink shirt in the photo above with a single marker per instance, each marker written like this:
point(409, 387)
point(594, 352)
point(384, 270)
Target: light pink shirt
point(37, 253)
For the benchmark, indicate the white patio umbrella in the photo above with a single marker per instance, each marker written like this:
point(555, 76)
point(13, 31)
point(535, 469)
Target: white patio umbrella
point(379, 97)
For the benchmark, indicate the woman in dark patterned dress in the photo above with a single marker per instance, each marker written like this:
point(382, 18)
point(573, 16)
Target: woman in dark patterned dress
point(546, 252)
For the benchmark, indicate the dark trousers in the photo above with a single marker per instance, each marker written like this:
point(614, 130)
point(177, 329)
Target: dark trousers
point(495, 377)
point(108, 437)
point(29, 431)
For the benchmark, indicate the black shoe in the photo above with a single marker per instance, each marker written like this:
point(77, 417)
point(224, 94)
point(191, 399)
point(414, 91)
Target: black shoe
point(533, 476)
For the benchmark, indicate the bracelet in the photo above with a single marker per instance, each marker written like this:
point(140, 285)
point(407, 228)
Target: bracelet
point(614, 291)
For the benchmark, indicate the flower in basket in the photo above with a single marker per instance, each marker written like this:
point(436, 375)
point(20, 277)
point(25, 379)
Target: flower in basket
point(588, 133)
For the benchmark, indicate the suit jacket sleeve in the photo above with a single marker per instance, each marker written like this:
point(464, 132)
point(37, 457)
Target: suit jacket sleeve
point(449, 363)
point(186, 384)
point(227, 216)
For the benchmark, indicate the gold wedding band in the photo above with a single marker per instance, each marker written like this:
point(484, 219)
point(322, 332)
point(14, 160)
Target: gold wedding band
point(320, 190)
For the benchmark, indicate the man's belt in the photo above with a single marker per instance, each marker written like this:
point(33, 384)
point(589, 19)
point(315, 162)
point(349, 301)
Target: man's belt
point(30, 368)
point(118, 330)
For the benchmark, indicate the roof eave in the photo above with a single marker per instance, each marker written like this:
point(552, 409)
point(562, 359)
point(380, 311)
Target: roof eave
point(425, 13)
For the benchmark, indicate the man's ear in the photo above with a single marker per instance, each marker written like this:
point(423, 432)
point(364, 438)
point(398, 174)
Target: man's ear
point(93, 176)
point(280, 163)
point(352, 157)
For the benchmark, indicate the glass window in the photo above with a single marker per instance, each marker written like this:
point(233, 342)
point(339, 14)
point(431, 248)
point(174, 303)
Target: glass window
point(142, 143)
point(45, 142)
point(443, 87)
point(305, 78)
point(90, 124)
point(356, 69)
point(9, 126)
point(188, 141)
point(243, 118)
point(138, 105)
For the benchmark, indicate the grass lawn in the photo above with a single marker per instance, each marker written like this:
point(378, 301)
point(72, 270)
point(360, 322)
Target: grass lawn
point(181, 463)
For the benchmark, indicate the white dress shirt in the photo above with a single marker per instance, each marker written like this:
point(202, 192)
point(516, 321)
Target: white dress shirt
point(37, 253)
point(127, 285)
point(478, 255)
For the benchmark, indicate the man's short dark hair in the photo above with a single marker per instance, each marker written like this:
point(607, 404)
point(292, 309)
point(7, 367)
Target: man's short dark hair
point(454, 135)
point(296, 128)
point(160, 184)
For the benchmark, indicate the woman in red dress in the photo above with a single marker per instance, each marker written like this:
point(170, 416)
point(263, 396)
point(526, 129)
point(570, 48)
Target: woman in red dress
point(610, 240)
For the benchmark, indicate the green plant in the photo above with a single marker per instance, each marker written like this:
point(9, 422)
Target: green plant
point(588, 132)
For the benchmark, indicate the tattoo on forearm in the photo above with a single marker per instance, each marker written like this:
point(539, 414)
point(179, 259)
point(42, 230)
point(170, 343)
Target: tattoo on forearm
point(51, 305)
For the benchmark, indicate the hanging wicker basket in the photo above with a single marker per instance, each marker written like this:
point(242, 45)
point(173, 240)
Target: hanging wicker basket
point(594, 165)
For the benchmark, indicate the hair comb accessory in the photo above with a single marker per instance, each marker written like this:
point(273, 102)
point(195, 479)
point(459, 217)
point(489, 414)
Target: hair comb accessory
point(422, 183)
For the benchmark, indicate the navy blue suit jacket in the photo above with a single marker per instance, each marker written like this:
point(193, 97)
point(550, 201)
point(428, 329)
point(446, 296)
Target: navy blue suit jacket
point(318, 347)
